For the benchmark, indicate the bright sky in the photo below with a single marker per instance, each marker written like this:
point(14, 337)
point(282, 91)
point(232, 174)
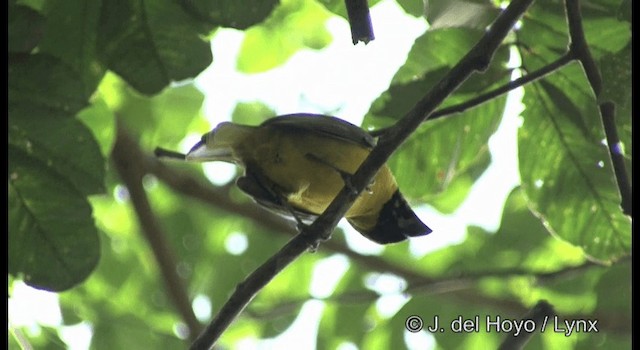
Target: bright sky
point(336, 72)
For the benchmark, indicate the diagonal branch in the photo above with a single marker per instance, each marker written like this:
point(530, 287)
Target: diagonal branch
point(126, 156)
point(476, 60)
point(580, 49)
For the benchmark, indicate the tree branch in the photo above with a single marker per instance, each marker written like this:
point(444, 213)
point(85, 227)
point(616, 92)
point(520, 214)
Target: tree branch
point(126, 156)
point(476, 60)
point(580, 49)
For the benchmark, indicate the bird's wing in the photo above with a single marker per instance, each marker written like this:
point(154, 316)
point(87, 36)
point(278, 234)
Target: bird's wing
point(262, 191)
point(323, 125)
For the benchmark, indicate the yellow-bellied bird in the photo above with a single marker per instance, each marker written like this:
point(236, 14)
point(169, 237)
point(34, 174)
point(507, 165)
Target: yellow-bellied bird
point(296, 165)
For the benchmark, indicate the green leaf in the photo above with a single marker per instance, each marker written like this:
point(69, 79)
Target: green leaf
point(163, 119)
point(338, 7)
point(447, 310)
point(545, 26)
point(251, 113)
point(436, 49)
point(521, 242)
point(415, 8)
point(151, 43)
point(616, 87)
point(232, 13)
point(101, 121)
point(566, 171)
point(65, 146)
point(346, 319)
point(293, 25)
point(43, 80)
point(608, 34)
point(614, 292)
point(25, 28)
point(70, 35)
point(45, 338)
point(130, 332)
point(52, 238)
point(440, 162)
point(460, 13)
point(624, 11)
point(449, 152)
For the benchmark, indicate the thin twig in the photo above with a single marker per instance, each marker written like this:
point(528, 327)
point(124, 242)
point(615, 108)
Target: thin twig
point(476, 60)
point(500, 90)
point(512, 85)
point(580, 48)
point(127, 159)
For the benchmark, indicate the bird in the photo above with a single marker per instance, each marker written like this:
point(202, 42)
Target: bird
point(295, 165)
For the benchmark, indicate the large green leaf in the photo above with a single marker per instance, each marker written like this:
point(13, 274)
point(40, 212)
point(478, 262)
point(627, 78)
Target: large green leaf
point(160, 120)
point(24, 29)
point(251, 113)
point(413, 7)
point(338, 7)
point(293, 25)
point(232, 13)
point(545, 25)
point(43, 80)
point(565, 168)
point(114, 331)
point(101, 121)
point(566, 171)
point(440, 162)
point(53, 243)
point(54, 163)
point(521, 242)
point(346, 319)
point(151, 43)
point(616, 79)
point(70, 35)
point(425, 66)
point(460, 13)
point(65, 146)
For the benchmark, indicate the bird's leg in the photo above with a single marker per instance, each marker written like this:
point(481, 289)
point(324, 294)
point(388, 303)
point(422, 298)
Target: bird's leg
point(300, 226)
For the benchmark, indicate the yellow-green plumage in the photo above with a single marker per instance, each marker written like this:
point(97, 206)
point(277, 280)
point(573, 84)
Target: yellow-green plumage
point(300, 158)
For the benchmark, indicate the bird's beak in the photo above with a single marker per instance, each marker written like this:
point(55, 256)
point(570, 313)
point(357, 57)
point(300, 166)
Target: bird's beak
point(207, 152)
point(199, 152)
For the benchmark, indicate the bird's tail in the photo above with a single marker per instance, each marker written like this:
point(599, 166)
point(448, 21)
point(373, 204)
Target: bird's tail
point(396, 222)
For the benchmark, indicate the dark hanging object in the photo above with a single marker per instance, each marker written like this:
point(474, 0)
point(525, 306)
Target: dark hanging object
point(360, 21)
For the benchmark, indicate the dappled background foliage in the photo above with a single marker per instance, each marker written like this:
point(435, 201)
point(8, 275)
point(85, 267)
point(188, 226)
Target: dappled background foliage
point(87, 78)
